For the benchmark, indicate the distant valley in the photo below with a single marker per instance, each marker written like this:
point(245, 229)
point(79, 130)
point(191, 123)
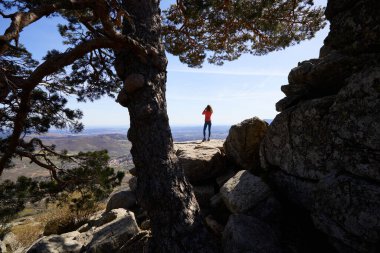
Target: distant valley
point(112, 139)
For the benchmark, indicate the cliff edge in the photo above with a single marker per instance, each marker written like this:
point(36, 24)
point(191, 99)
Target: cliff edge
point(322, 152)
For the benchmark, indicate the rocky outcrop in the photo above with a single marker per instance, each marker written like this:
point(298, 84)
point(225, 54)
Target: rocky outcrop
point(103, 233)
point(112, 236)
point(243, 143)
point(200, 160)
point(322, 151)
point(69, 242)
point(222, 191)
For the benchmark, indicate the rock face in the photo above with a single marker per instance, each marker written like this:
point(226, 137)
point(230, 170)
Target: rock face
point(322, 150)
point(243, 191)
point(243, 143)
point(200, 160)
point(247, 234)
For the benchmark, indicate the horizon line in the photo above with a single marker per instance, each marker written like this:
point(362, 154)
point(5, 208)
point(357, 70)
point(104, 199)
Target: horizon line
point(235, 73)
point(171, 125)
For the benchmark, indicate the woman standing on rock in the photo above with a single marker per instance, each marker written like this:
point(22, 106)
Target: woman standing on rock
point(207, 112)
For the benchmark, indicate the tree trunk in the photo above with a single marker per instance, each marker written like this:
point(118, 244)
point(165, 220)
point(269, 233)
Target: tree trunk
point(162, 189)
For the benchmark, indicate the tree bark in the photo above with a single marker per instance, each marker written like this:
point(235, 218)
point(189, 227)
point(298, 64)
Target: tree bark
point(162, 189)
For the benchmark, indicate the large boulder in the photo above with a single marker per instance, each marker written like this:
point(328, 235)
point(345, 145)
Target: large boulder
point(111, 236)
point(243, 143)
point(72, 242)
point(243, 191)
point(201, 161)
point(101, 218)
point(123, 199)
point(322, 151)
point(244, 234)
point(105, 232)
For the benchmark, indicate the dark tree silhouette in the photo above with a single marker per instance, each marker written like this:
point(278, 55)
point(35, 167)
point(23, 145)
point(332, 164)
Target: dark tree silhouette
point(131, 36)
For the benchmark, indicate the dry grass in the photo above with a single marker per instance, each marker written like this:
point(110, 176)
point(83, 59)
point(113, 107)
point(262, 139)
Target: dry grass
point(27, 233)
point(33, 228)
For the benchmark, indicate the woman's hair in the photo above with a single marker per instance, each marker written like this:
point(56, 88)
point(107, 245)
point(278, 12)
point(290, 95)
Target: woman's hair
point(208, 108)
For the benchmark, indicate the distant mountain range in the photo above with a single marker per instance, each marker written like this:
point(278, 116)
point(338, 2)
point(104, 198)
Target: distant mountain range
point(114, 139)
point(180, 133)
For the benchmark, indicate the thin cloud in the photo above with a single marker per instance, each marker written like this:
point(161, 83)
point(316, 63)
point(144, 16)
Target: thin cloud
point(232, 73)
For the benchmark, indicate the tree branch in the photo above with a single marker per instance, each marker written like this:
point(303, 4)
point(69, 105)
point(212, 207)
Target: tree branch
point(102, 10)
point(51, 151)
point(5, 15)
point(52, 65)
point(52, 168)
point(22, 19)
point(57, 62)
point(18, 128)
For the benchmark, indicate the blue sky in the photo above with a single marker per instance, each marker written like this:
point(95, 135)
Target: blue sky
point(247, 87)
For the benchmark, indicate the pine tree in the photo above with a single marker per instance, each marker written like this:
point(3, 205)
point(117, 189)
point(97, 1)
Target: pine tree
point(131, 36)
